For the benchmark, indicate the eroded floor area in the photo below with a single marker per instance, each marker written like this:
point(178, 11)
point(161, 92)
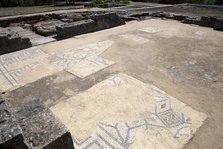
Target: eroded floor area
point(131, 86)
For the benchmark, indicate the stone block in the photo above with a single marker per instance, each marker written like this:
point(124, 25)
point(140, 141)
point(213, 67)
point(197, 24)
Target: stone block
point(11, 41)
point(10, 132)
point(75, 28)
point(107, 20)
point(208, 21)
point(41, 129)
point(179, 17)
point(189, 20)
point(161, 14)
point(219, 24)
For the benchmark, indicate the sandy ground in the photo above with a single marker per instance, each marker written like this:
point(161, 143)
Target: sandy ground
point(186, 61)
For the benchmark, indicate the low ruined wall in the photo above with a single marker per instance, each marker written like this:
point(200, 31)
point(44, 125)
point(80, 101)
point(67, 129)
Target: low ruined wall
point(95, 23)
point(11, 41)
point(10, 132)
point(75, 28)
point(107, 20)
point(32, 126)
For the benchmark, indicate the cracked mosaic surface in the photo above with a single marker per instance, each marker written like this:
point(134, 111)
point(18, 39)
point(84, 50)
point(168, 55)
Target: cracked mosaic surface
point(82, 61)
point(25, 66)
point(123, 112)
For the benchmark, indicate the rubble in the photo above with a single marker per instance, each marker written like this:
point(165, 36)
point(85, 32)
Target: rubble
point(10, 132)
point(11, 41)
point(41, 129)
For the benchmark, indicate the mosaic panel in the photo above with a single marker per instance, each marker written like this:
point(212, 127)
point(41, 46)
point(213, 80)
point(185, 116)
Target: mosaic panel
point(122, 112)
point(28, 65)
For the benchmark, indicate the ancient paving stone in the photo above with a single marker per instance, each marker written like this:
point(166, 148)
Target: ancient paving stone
point(123, 112)
point(10, 132)
point(41, 128)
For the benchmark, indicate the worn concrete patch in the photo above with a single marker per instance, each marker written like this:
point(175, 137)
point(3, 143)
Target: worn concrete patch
point(135, 38)
point(151, 30)
point(123, 112)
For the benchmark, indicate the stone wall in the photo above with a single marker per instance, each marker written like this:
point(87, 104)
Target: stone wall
point(32, 126)
point(107, 20)
point(10, 132)
point(75, 28)
point(11, 41)
point(95, 23)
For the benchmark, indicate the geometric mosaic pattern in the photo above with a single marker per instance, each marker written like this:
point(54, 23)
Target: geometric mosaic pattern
point(128, 111)
point(10, 72)
point(121, 135)
point(81, 61)
point(28, 65)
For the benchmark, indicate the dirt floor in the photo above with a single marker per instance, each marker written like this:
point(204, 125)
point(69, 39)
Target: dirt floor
point(185, 61)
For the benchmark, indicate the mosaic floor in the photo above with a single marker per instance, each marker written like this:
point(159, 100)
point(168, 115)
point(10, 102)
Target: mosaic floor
point(22, 67)
point(123, 112)
point(120, 112)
